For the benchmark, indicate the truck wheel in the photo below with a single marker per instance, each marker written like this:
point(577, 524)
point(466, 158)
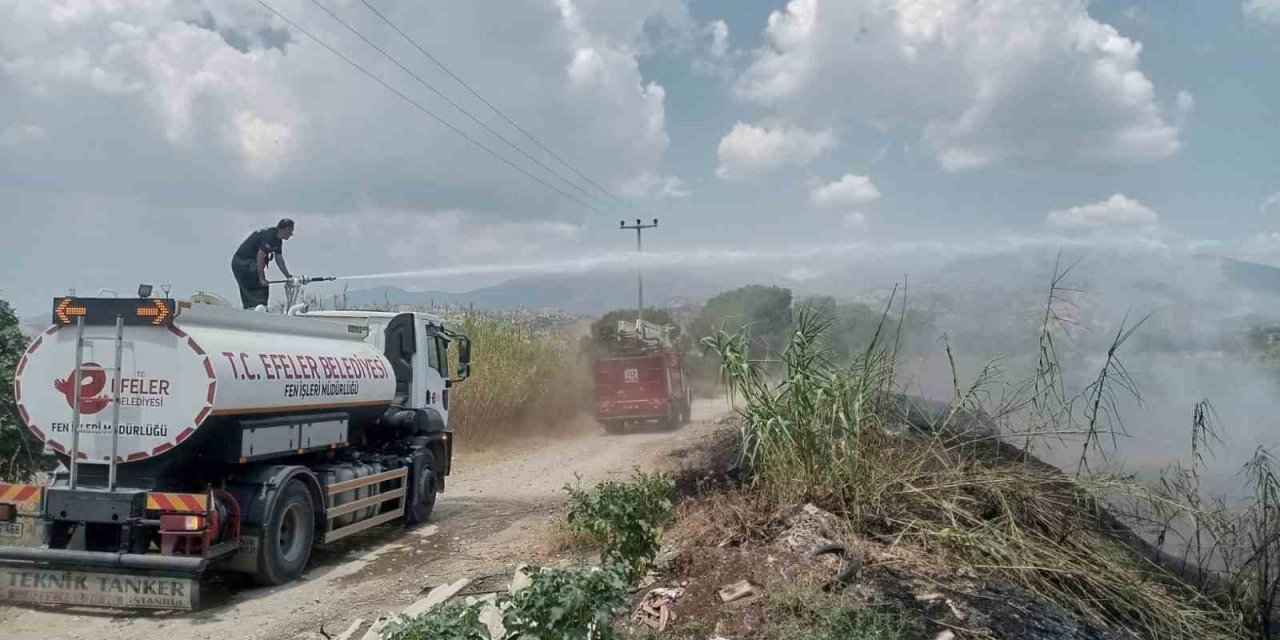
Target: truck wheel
point(286, 542)
point(614, 427)
point(422, 489)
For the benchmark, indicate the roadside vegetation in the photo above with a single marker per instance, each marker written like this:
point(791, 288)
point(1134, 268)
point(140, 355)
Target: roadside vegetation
point(20, 458)
point(526, 378)
point(523, 380)
point(624, 519)
point(1156, 559)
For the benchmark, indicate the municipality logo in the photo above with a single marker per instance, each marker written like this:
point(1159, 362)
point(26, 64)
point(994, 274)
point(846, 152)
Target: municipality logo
point(93, 381)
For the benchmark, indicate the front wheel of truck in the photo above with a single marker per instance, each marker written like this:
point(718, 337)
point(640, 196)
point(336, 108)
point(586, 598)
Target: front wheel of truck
point(423, 488)
point(286, 542)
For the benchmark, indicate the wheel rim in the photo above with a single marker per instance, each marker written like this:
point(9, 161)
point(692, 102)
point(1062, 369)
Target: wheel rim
point(291, 533)
point(426, 486)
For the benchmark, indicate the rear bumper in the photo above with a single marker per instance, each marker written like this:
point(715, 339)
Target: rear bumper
point(73, 559)
point(63, 577)
point(637, 410)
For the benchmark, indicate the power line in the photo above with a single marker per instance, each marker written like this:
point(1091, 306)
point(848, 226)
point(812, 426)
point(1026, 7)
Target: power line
point(455, 105)
point(492, 107)
point(425, 110)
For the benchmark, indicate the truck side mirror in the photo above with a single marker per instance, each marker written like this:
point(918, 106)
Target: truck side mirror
point(464, 358)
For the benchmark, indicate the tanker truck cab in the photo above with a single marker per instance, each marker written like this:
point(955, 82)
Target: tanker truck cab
point(194, 438)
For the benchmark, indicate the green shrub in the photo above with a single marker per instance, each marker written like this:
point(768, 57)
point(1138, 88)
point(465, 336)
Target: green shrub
point(625, 519)
point(456, 621)
point(20, 458)
point(568, 604)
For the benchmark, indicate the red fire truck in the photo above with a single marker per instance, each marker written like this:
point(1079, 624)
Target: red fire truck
point(641, 379)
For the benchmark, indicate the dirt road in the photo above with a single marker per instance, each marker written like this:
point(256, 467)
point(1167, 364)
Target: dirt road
point(495, 515)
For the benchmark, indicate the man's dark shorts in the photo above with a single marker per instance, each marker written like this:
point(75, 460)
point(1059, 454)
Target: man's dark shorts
point(252, 292)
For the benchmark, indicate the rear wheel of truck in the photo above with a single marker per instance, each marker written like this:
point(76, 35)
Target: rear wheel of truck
point(674, 416)
point(422, 489)
point(286, 542)
point(614, 427)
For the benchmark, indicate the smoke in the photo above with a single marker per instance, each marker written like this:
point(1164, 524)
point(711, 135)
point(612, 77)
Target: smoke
point(1203, 335)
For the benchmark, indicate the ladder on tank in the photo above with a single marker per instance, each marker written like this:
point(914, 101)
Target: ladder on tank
point(644, 330)
point(114, 382)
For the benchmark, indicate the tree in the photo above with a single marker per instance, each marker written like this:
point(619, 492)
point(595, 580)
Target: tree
point(19, 449)
point(765, 310)
point(853, 325)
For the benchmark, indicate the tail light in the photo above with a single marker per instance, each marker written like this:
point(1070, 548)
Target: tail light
point(181, 522)
point(8, 512)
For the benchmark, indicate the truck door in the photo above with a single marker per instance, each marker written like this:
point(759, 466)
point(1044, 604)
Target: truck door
point(430, 387)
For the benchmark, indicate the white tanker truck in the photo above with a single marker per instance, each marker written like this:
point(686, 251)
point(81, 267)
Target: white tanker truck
point(194, 437)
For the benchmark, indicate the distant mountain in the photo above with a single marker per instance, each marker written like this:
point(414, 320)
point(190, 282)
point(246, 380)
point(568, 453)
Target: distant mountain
point(1262, 278)
point(592, 293)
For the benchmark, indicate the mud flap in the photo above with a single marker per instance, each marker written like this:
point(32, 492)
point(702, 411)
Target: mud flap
point(99, 579)
point(245, 559)
point(54, 586)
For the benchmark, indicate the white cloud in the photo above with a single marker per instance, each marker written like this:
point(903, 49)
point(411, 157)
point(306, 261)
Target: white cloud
point(1013, 82)
point(166, 90)
point(1272, 204)
point(1266, 11)
point(176, 116)
point(719, 30)
point(1116, 211)
point(854, 221)
point(848, 190)
point(750, 150)
point(409, 239)
point(717, 59)
point(653, 185)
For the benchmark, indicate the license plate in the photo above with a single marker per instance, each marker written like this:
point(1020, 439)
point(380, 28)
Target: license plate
point(11, 529)
point(631, 376)
point(47, 586)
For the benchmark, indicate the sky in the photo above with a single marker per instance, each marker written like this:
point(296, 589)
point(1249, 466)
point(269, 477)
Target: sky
point(142, 140)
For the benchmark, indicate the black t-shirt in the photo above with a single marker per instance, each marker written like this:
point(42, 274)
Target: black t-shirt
point(266, 239)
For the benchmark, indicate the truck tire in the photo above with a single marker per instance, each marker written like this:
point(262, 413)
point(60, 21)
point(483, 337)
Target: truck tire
point(614, 427)
point(422, 488)
point(286, 540)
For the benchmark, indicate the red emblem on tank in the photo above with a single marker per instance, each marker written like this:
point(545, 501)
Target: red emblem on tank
point(92, 382)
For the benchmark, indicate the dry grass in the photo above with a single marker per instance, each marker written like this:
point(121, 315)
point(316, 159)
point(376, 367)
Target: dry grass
point(523, 381)
point(831, 433)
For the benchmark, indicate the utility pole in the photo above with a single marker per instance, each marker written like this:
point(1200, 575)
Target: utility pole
point(639, 227)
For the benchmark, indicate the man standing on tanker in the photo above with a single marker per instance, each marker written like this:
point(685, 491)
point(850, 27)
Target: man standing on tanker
point(249, 264)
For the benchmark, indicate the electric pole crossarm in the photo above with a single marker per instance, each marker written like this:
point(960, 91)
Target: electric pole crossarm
point(639, 227)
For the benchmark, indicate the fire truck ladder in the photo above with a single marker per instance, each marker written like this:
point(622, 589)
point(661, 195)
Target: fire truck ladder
point(81, 340)
point(644, 330)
